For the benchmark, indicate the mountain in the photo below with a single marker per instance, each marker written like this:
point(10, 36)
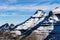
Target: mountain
point(40, 22)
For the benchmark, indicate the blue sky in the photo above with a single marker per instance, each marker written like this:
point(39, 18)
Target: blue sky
point(17, 11)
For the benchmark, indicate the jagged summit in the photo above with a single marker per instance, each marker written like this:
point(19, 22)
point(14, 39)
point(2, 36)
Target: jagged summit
point(11, 26)
point(38, 13)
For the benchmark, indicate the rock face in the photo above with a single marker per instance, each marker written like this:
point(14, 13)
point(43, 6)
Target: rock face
point(50, 32)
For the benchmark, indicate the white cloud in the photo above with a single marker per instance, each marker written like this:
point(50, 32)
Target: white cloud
point(8, 14)
point(28, 7)
point(5, 14)
point(12, 14)
point(12, 1)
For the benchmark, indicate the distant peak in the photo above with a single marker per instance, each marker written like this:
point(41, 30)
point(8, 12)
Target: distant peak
point(56, 10)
